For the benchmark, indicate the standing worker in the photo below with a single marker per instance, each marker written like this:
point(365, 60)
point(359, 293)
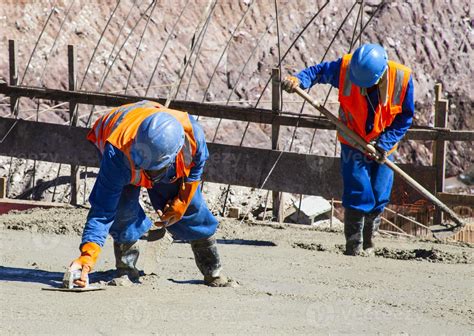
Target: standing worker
point(376, 101)
point(147, 145)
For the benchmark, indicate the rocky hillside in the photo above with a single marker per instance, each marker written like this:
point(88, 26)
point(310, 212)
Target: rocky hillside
point(434, 38)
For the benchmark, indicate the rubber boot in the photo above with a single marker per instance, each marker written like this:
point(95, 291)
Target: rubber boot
point(353, 224)
point(208, 261)
point(126, 256)
point(371, 225)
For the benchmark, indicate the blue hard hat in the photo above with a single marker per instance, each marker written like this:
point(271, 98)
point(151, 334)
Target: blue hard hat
point(159, 139)
point(368, 64)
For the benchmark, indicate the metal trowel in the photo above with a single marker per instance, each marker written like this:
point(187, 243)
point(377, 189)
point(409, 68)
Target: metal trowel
point(68, 284)
point(442, 232)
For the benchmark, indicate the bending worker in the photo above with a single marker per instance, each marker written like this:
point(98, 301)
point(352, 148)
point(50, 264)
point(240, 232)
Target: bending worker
point(147, 145)
point(376, 101)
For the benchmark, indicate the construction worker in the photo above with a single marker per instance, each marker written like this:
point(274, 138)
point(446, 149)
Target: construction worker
point(376, 101)
point(147, 145)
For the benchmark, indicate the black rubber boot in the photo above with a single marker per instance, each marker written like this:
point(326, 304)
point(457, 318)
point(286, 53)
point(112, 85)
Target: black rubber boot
point(371, 225)
point(353, 224)
point(126, 256)
point(208, 261)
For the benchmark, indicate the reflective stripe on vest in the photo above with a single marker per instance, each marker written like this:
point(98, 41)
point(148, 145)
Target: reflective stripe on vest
point(397, 93)
point(346, 91)
point(187, 152)
point(119, 127)
point(353, 106)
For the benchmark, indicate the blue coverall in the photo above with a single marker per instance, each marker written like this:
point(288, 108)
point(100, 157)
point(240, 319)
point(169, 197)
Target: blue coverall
point(367, 184)
point(115, 206)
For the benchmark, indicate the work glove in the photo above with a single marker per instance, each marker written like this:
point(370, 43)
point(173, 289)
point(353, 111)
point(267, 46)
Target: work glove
point(376, 153)
point(290, 83)
point(89, 254)
point(175, 210)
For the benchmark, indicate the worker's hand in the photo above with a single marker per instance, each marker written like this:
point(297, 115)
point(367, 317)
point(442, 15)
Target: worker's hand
point(171, 214)
point(290, 83)
point(160, 223)
point(85, 270)
point(376, 153)
point(89, 254)
point(175, 210)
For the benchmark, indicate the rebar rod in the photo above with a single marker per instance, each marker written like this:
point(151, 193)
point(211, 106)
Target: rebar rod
point(202, 28)
point(322, 59)
point(119, 34)
point(48, 57)
point(226, 47)
point(107, 70)
point(292, 45)
point(164, 46)
point(230, 95)
point(139, 45)
point(37, 42)
point(173, 92)
point(98, 43)
point(241, 75)
point(196, 59)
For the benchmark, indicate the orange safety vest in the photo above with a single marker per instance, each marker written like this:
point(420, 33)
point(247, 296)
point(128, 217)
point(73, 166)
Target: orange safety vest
point(119, 127)
point(353, 106)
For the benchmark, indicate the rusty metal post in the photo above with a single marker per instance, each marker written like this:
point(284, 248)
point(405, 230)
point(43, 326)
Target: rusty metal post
point(12, 57)
point(277, 197)
point(332, 214)
point(439, 146)
point(71, 57)
point(3, 187)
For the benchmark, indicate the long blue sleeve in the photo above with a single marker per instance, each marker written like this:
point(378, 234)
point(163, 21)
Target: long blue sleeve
point(322, 73)
point(402, 122)
point(114, 174)
point(202, 153)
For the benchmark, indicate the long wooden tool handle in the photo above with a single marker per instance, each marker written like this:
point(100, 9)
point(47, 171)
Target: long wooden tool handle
point(358, 140)
point(425, 192)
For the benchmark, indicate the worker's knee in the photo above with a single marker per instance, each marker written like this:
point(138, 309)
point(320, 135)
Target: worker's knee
point(131, 227)
point(357, 193)
point(130, 222)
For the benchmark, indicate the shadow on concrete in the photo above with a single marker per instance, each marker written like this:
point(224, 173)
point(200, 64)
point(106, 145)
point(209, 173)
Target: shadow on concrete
point(46, 277)
point(187, 282)
point(36, 192)
point(236, 242)
point(246, 242)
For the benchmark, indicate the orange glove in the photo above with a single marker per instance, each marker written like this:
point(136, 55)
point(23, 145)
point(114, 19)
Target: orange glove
point(290, 83)
point(175, 210)
point(89, 254)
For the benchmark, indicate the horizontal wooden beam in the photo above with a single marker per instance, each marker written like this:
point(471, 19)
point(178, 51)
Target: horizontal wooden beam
point(291, 172)
point(7, 205)
point(240, 113)
point(436, 133)
point(457, 199)
point(263, 116)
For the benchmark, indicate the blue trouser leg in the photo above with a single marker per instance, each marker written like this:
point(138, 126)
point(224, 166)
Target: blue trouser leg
point(382, 182)
point(130, 221)
point(356, 171)
point(367, 184)
point(197, 222)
